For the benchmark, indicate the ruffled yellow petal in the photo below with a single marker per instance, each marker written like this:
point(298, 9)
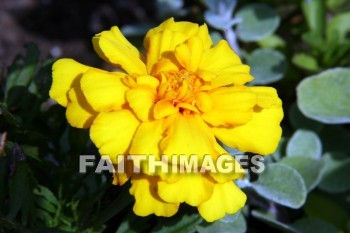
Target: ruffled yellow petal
point(222, 66)
point(227, 198)
point(66, 74)
point(231, 106)
point(112, 132)
point(203, 33)
point(141, 100)
point(187, 135)
point(144, 189)
point(164, 108)
point(79, 113)
point(237, 75)
point(104, 91)
point(189, 54)
point(163, 39)
point(190, 188)
point(260, 135)
point(147, 138)
point(219, 57)
point(114, 48)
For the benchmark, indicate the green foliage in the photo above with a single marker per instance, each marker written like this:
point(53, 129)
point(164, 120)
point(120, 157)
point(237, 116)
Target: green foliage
point(273, 186)
point(258, 21)
point(325, 97)
point(299, 47)
point(269, 70)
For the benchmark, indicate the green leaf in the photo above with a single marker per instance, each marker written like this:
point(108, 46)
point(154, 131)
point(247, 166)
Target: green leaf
point(315, 14)
point(134, 224)
point(187, 223)
point(299, 121)
point(22, 70)
point(271, 220)
point(336, 174)
point(310, 169)
point(328, 211)
point(267, 65)
point(311, 225)
point(338, 5)
point(216, 37)
point(239, 225)
point(279, 183)
point(304, 143)
point(272, 41)
point(305, 61)
point(325, 96)
point(338, 28)
point(258, 21)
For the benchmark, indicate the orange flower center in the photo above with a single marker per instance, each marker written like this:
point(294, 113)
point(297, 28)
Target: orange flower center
point(179, 86)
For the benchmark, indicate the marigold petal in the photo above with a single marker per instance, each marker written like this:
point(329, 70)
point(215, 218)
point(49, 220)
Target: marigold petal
point(227, 198)
point(148, 80)
point(66, 73)
point(141, 100)
point(79, 113)
point(187, 135)
point(260, 135)
point(104, 91)
point(163, 39)
point(204, 101)
point(219, 57)
point(113, 47)
point(266, 96)
point(112, 132)
point(195, 189)
point(227, 168)
point(147, 138)
point(231, 106)
point(189, 54)
point(144, 189)
point(164, 108)
point(203, 33)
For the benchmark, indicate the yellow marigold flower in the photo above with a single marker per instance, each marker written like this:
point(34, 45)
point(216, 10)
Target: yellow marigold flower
point(179, 98)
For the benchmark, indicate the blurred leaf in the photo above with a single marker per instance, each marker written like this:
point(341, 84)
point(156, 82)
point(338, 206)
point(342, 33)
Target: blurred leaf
point(134, 224)
point(170, 8)
point(338, 5)
point(304, 143)
point(280, 151)
point(338, 28)
point(325, 96)
point(310, 169)
point(216, 37)
point(299, 121)
point(185, 224)
point(278, 183)
point(239, 225)
point(323, 207)
point(15, 120)
point(311, 225)
point(122, 200)
point(270, 220)
point(22, 70)
point(315, 14)
point(136, 29)
point(272, 41)
point(31, 151)
point(305, 61)
point(258, 21)
point(336, 173)
point(219, 22)
point(3, 180)
point(267, 66)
